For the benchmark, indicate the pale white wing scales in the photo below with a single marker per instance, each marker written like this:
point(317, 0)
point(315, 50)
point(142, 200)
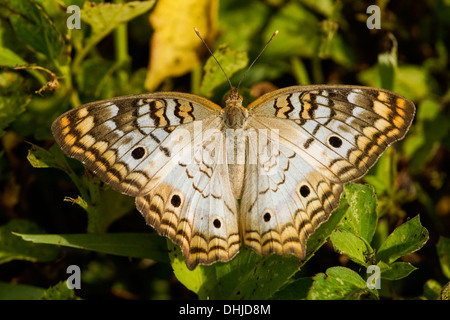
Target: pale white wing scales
point(194, 205)
point(283, 204)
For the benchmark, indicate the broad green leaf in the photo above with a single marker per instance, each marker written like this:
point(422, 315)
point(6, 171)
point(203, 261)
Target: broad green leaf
point(146, 245)
point(405, 239)
point(296, 290)
point(15, 248)
point(354, 246)
point(443, 251)
point(340, 283)
point(104, 17)
point(10, 291)
point(398, 270)
point(231, 61)
point(33, 27)
point(361, 218)
point(10, 58)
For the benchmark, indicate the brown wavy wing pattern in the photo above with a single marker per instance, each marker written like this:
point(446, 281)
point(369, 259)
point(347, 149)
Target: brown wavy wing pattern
point(122, 140)
point(340, 129)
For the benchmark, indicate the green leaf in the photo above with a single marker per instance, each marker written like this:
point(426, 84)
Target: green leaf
point(292, 20)
point(405, 239)
point(247, 276)
point(361, 217)
point(231, 61)
point(296, 290)
point(445, 292)
point(320, 236)
point(10, 58)
point(10, 291)
point(60, 291)
point(13, 99)
point(149, 246)
point(355, 247)
point(340, 283)
point(52, 158)
point(431, 129)
point(33, 27)
point(104, 17)
point(431, 290)
point(398, 270)
point(411, 81)
point(443, 250)
point(14, 248)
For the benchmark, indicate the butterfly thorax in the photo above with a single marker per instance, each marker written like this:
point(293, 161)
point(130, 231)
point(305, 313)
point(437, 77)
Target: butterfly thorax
point(235, 115)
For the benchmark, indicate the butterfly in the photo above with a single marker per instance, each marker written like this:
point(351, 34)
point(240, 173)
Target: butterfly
point(213, 179)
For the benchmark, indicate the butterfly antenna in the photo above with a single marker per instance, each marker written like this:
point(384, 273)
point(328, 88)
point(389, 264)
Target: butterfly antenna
point(212, 54)
point(271, 38)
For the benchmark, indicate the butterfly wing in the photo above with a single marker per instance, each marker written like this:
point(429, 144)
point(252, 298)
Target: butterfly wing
point(141, 146)
point(327, 136)
point(194, 204)
point(125, 140)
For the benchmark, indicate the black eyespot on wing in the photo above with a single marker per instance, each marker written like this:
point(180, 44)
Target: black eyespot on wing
point(335, 142)
point(217, 224)
point(138, 153)
point(304, 191)
point(267, 217)
point(175, 200)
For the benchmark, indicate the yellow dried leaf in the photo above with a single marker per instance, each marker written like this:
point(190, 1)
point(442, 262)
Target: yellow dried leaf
point(174, 44)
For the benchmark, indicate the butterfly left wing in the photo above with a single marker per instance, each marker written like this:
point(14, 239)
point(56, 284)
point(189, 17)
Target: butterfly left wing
point(141, 145)
point(126, 140)
point(327, 136)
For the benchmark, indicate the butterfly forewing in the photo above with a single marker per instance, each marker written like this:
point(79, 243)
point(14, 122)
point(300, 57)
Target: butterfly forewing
point(127, 140)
